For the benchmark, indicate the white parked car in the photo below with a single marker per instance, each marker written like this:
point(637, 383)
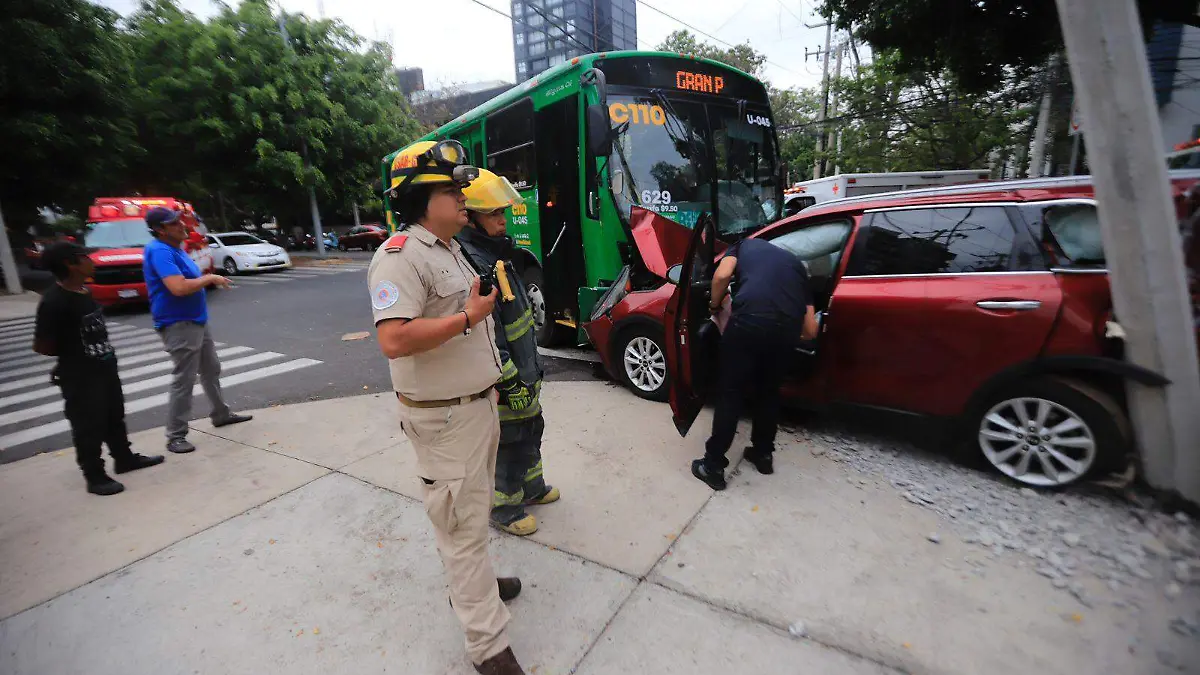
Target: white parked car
point(237, 252)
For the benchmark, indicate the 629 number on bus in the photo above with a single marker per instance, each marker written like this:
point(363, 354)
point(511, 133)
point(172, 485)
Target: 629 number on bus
point(658, 200)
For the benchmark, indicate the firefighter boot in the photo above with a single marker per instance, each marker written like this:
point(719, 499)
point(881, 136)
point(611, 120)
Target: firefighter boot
point(521, 524)
point(550, 495)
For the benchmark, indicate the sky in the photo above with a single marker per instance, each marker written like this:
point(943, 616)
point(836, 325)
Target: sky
point(461, 41)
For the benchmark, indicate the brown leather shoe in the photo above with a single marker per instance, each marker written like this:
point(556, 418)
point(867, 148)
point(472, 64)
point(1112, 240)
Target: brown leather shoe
point(503, 663)
point(510, 587)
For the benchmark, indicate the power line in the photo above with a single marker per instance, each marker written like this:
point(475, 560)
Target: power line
point(785, 8)
point(707, 35)
point(539, 29)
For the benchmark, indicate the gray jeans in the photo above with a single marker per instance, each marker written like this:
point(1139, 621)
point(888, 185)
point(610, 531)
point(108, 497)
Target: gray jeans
point(191, 348)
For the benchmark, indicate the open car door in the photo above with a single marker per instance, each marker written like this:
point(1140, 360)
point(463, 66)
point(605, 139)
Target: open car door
point(691, 336)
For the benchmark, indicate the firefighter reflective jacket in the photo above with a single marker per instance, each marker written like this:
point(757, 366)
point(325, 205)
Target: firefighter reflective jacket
point(515, 335)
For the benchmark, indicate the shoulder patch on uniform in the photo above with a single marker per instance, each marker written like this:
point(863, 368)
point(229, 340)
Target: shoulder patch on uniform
point(384, 295)
point(395, 242)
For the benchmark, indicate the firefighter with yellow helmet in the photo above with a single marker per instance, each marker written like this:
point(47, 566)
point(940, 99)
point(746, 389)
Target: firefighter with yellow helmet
point(434, 324)
point(519, 479)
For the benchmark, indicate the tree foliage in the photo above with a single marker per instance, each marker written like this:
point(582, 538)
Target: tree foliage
point(222, 112)
point(65, 126)
point(979, 43)
point(743, 57)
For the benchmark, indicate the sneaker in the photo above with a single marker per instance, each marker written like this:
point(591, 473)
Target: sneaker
point(521, 527)
point(763, 461)
point(180, 445)
point(232, 418)
point(135, 462)
point(550, 495)
point(103, 485)
point(504, 663)
point(714, 480)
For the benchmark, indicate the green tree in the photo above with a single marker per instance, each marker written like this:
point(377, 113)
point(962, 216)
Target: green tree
point(893, 120)
point(743, 56)
point(981, 43)
point(65, 133)
point(795, 111)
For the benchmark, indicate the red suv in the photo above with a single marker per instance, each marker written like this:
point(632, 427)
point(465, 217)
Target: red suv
point(985, 304)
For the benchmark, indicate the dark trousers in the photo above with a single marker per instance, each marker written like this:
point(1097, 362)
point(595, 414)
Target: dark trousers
point(753, 354)
point(95, 406)
point(519, 474)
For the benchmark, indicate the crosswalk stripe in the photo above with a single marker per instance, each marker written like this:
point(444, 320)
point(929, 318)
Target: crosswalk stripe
point(26, 339)
point(132, 388)
point(319, 270)
point(16, 330)
point(164, 359)
point(126, 376)
point(241, 281)
point(23, 321)
point(154, 401)
point(45, 363)
point(125, 336)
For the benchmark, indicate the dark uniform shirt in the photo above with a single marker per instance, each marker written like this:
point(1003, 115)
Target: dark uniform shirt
point(74, 324)
point(771, 283)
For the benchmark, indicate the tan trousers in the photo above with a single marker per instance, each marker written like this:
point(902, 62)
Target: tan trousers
point(456, 452)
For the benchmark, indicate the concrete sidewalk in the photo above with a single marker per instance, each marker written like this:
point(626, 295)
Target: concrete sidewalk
point(296, 544)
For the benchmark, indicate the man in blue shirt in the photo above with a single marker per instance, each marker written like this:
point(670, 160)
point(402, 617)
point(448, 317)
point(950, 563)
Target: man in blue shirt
point(772, 312)
point(180, 311)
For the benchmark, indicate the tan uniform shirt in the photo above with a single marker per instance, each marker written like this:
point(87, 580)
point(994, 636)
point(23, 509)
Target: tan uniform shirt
point(426, 278)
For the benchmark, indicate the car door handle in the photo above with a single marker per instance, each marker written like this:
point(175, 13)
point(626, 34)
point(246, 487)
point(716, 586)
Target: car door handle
point(1023, 305)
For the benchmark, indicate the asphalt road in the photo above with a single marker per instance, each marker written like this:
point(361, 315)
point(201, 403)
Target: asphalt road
point(283, 334)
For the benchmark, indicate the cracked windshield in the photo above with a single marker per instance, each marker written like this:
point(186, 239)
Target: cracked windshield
point(679, 157)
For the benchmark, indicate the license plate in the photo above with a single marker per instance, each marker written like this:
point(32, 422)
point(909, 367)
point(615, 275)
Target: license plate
point(127, 294)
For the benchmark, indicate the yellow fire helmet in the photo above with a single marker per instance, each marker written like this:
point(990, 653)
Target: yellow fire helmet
point(426, 162)
point(490, 192)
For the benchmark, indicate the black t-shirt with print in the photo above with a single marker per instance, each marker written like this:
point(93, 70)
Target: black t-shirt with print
point(74, 324)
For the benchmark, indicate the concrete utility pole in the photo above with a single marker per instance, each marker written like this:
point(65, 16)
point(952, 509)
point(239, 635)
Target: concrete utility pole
point(1037, 161)
point(356, 223)
point(1141, 236)
point(819, 163)
point(837, 73)
point(12, 280)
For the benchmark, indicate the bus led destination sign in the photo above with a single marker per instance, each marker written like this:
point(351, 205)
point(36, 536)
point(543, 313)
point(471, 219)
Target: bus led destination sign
point(708, 84)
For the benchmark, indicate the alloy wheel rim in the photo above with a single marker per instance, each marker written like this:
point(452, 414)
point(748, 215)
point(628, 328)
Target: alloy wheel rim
point(1037, 441)
point(645, 364)
point(537, 302)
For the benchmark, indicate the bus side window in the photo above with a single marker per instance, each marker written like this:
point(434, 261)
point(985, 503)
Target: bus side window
point(510, 143)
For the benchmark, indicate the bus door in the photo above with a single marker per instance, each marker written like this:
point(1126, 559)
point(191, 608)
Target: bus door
point(558, 201)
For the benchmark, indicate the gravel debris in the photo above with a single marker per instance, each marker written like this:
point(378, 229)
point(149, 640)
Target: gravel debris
point(933, 537)
point(1172, 590)
point(797, 629)
point(1185, 626)
point(1123, 540)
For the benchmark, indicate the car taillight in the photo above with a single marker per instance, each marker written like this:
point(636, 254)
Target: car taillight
point(619, 289)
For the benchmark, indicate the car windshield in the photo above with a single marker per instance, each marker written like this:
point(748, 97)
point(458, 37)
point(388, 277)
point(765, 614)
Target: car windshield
point(240, 240)
point(681, 158)
point(128, 233)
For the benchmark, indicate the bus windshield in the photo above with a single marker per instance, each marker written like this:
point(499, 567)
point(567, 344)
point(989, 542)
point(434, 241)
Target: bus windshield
point(681, 158)
point(128, 233)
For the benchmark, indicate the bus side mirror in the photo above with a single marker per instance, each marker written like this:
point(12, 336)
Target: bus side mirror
point(599, 132)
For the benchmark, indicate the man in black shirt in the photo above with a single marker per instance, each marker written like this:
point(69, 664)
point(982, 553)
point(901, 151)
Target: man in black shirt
point(71, 326)
point(772, 312)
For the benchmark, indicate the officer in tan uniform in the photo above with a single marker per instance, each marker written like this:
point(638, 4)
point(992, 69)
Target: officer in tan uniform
point(436, 328)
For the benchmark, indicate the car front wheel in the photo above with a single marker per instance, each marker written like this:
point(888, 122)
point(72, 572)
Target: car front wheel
point(1052, 432)
point(641, 362)
point(230, 267)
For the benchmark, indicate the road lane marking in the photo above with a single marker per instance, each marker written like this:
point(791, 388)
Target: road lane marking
point(138, 405)
point(24, 341)
point(47, 362)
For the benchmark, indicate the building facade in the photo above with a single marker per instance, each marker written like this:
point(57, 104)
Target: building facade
point(549, 32)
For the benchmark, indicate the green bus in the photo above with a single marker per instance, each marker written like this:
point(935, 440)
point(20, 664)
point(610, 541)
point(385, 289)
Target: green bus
point(591, 139)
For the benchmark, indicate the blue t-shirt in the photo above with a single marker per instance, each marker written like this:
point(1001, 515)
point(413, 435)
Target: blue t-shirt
point(161, 260)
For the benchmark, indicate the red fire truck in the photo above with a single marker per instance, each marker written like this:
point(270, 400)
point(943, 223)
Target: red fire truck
point(116, 228)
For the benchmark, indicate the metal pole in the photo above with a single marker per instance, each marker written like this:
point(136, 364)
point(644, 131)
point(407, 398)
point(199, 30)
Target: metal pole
point(1142, 244)
point(12, 280)
point(356, 223)
point(819, 164)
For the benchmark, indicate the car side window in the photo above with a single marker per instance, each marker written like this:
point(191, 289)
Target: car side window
point(1071, 230)
point(948, 240)
point(819, 246)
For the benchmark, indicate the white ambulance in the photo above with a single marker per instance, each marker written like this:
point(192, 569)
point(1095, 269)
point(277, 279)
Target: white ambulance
point(804, 194)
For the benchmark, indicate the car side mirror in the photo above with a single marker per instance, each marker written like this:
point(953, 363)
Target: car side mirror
point(214, 245)
point(599, 131)
point(674, 272)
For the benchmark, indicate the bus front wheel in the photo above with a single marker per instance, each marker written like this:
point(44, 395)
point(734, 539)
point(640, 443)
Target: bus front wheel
point(549, 333)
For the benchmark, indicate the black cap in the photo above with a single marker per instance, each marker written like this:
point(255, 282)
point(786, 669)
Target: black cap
point(161, 215)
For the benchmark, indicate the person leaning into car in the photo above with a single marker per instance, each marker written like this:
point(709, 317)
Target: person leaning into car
point(771, 313)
